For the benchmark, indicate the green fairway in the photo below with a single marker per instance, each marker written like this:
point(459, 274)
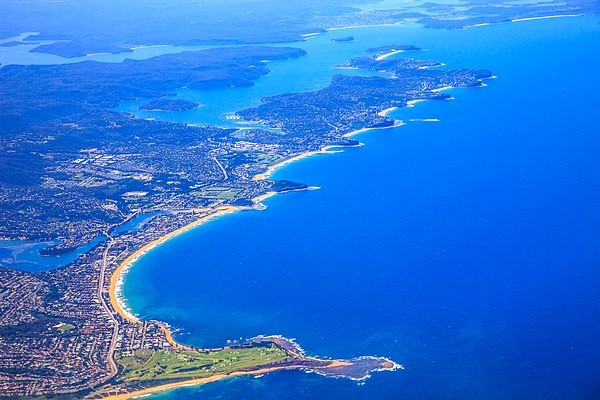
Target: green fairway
point(161, 365)
point(64, 327)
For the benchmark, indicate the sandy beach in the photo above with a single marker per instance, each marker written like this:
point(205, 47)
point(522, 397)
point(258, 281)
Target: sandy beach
point(287, 161)
point(386, 111)
point(546, 17)
point(361, 26)
point(386, 55)
point(193, 382)
point(325, 150)
point(214, 378)
point(116, 281)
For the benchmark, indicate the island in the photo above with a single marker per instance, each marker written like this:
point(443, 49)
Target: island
point(169, 105)
point(343, 39)
point(381, 63)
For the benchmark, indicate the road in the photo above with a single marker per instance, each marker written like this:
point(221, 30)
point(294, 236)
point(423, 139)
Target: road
point(113, 341)
point(222, 169)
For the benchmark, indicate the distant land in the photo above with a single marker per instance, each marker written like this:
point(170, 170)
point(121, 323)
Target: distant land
point(79, 48)
point(183, 23)
point(10, 44)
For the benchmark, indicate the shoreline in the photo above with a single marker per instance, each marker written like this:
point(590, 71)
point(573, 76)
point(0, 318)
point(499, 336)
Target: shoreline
point(191, 382)
point(339, 28)
point(214, 378)
point(118, 301)
point(116, 279)
point(325, 149)
point(546, 17)
point(388, 54)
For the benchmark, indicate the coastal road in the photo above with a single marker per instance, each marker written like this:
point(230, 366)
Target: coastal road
point(113, 341)
point(222, 169)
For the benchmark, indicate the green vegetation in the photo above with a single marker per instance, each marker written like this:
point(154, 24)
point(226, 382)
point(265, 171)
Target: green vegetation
point(216, 192)
point(266, 158)
point(62, 327)
point(162, 365)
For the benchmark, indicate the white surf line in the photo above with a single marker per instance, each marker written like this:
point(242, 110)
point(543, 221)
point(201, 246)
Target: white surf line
point(386, 55)
point(546, 17)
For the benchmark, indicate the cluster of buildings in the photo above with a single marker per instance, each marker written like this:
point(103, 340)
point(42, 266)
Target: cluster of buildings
point(59, 333)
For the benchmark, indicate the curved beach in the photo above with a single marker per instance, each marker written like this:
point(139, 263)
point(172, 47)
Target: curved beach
point(116, 280)
point(117, 300)
point(325, 150)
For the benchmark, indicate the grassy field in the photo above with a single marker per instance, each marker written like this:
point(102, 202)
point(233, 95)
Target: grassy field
point(147, 365)
point(64, 327)
point(217, 192)
point(266, 158)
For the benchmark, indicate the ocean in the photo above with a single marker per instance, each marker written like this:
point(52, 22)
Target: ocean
point(464, 245)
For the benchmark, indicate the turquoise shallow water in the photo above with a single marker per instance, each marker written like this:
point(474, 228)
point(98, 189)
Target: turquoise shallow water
point(25, 255)
point(464, 249)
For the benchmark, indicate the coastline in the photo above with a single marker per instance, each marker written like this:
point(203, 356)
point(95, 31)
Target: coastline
point(117, 300)
point(324, 150)
point(191, 382)
point(386, 55)
point(290, 379)
point(545, 17)
point(116, 280)
point(362, 26)
point(214, 378)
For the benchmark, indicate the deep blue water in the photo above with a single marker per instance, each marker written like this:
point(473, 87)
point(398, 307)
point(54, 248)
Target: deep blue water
point(465, 249)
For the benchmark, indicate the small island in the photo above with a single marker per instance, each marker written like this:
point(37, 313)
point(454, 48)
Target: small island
point(343, 39)
point(169, 105)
